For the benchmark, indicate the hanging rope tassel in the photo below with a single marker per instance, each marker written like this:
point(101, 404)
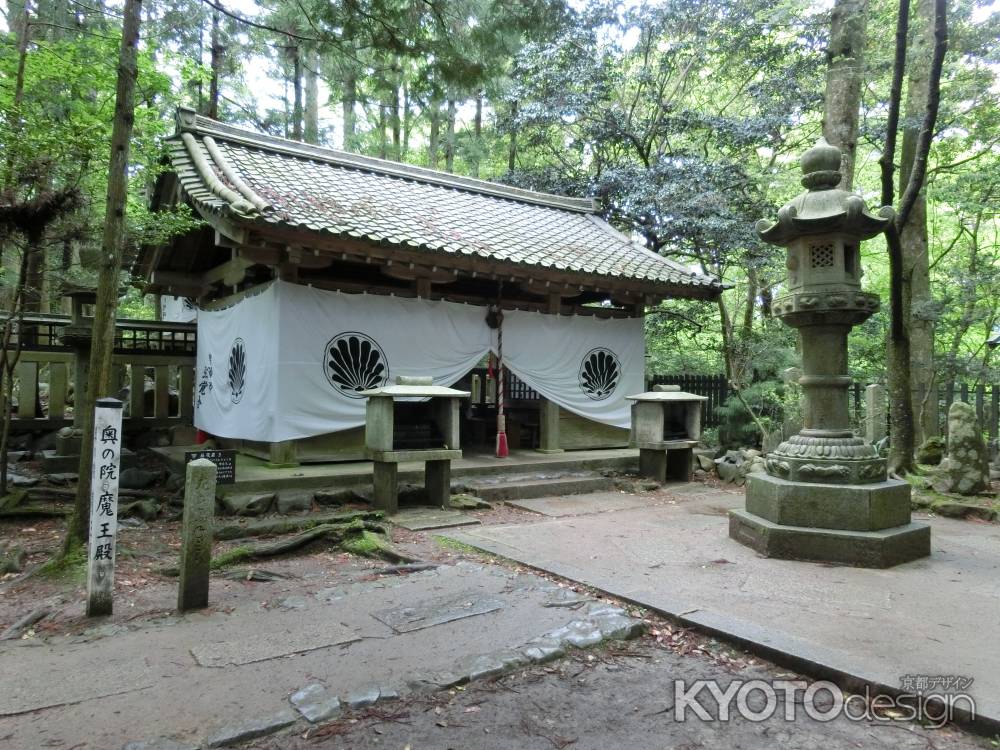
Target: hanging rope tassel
point(502, 451)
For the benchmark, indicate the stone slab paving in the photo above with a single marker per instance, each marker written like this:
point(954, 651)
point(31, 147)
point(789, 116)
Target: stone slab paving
point(420, 519)
point(254, 475)
point(207, 678)
point(591, 502)
point(936, 616)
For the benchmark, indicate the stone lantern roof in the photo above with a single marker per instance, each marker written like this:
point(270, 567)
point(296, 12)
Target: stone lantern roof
point(824, 208)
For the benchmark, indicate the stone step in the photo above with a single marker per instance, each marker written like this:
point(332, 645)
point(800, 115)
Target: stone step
point(526, 488)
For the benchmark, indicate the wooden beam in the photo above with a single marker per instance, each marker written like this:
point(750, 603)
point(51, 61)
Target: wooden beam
point(225, 227)
point(179, 284)
point(230, 273)
point(263, 255)
point(413, 271)
point(476, 266)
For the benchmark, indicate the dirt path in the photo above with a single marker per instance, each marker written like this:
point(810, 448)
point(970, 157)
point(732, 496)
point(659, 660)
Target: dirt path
point(617, 697)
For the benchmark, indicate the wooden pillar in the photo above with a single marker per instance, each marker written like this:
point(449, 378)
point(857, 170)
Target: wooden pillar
point(386, 480)
point(549, 437)
point(437, 482)
point(27, 376)
point(186, 394)
point(58, 380)
point(137, 391)
point(161, 403)
point(283, 455)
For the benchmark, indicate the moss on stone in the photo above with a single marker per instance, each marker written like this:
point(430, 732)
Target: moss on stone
point(71, 566)
point(231, 557)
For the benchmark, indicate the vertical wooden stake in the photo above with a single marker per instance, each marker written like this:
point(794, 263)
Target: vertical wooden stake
point(104, 506)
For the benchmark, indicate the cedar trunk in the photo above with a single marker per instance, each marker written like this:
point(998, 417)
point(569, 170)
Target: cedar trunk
point(844, 76)
point(110, 263)
point(917, 300)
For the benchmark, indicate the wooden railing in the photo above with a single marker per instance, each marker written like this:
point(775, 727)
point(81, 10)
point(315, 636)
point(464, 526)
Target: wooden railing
point(161, 355)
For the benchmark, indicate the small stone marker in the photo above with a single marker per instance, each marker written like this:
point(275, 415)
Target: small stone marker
point(196, 535)
point(103, 506)
point(875, 413)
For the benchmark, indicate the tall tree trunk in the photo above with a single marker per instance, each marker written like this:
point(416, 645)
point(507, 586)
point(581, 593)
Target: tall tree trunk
point(109, 267)
point(844, 76)
point(383, 122)
point(477, 129)
point(902, 445)
point(918, 304)
point(434, 139)
point(728, 345)
point(311, 128)
point(296, 92)
point(34, 292)
point(395, 121)
point(348, 100)
point(969, 301)
point(512, 143)
point(407, 121)
point(217, 52)
point(449, 148)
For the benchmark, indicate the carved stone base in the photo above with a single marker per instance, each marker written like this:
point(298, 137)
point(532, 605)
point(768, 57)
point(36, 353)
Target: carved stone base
point(863, 549)
point(863, 525)
point(838, 460)
point(859, 507)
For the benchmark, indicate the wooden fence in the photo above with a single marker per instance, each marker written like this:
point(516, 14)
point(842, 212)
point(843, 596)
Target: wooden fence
point(984, 396)
point(154, 365)
point(714, 387)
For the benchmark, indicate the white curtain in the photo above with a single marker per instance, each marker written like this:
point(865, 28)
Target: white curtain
point(288, 362)
point(334, 344)
point(585, 364)
point(236, 386)
point(177, 309)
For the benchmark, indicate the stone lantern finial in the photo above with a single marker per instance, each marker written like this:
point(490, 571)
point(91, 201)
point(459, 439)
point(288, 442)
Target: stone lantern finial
point(821, 166)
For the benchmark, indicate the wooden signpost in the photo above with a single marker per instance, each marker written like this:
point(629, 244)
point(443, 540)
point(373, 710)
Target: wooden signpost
point(104, 506)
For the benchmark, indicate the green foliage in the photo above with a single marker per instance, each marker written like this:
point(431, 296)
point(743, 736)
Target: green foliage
point(739, 428)
point(685, 117)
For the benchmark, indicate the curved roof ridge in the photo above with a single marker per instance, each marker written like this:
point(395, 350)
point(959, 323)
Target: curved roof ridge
point(230, 174)
point(238, 203)
point(188, 121)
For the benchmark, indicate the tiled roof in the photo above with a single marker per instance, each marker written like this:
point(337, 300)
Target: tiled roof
point(261, 180)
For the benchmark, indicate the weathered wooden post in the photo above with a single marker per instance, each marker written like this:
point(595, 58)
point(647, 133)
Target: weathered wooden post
point(874, 413)
point(196, 535)
point(104, 506)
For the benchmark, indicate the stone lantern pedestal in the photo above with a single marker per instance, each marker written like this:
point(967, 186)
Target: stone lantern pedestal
point(825, 495)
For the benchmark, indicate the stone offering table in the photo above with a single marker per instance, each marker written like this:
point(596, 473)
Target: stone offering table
point(390, 440)
point(825, 495)
point(666, 426)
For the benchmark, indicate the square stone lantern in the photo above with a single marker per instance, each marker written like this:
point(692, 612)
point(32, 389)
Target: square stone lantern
point(412, 420)
point(824, 495)
point(666, 426)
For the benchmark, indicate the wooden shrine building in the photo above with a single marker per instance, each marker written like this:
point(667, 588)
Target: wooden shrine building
point(319, 273)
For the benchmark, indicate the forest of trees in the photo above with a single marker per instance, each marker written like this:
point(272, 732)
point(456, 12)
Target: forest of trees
point(685, 117)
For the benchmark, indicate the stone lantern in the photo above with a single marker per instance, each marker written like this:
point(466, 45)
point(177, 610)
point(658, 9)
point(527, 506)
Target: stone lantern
point(825, 495)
